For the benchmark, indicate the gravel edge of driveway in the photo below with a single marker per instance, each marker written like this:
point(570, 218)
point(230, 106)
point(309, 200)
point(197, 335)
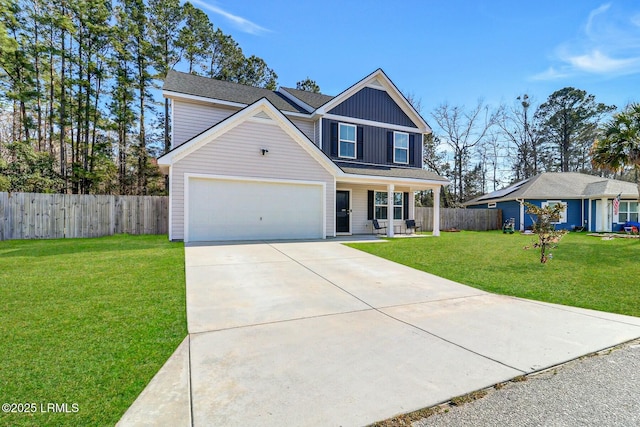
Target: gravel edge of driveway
point(601, 389)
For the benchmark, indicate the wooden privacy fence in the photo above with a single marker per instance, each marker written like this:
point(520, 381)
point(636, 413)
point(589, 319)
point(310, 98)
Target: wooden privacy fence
point(462, 219)
point(51, 216)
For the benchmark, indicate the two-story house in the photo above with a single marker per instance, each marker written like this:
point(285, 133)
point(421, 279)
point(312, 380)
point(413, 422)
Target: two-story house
point(251, 164)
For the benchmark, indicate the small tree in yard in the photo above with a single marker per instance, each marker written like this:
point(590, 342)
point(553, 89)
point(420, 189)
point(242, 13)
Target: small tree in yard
point(543, 225)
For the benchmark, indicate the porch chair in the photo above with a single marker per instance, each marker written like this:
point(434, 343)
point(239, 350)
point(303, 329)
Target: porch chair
point(377, 227)
point(411, 225)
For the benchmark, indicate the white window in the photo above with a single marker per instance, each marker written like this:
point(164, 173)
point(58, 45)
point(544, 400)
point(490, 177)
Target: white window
point(628, 212)
point(381, 205)
point(347, 141)
point(492, 205)
point(563, 214)
point(400, 147)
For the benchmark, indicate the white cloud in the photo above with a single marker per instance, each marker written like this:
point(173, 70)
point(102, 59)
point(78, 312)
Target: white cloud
point(594, 14)
point(239, 22)
point(609, 45)
point(599, 63)
point(551, 74)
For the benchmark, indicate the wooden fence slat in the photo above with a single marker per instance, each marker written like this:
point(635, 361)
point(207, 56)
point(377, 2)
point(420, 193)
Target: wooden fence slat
point(51, 216)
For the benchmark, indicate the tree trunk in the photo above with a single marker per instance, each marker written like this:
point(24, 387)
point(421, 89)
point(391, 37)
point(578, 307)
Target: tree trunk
point(95, 123)
point(37, 71)
point(51, 92)
point(63, 118)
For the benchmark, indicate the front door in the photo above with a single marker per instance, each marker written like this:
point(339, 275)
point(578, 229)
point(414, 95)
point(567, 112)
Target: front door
point(343, 211)
point(603, 216)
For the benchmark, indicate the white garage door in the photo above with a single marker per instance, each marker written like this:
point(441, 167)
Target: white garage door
point(220, 209)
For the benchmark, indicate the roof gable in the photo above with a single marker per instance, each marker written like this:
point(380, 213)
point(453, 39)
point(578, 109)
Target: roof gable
point(375, 105)
point(378, 80)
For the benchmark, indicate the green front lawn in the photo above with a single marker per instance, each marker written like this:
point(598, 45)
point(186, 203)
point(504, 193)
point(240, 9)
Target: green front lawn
point(86, 322)
point(585, 271)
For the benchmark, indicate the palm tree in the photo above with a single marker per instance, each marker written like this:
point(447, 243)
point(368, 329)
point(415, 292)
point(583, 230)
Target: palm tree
point(620, 145)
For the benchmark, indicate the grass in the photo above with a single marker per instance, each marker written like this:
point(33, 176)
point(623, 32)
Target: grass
point(585, 271)
point(86, 322)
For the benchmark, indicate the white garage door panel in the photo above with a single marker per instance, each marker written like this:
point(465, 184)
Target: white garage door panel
point(251, 210)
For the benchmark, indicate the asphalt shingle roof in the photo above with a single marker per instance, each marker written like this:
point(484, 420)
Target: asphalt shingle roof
point(561, 185)
point(389, 171)
point(190, 84)
point(312, 99)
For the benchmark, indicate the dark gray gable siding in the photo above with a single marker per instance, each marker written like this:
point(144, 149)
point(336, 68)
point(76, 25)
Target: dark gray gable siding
point(374, 144)
point(373, 104)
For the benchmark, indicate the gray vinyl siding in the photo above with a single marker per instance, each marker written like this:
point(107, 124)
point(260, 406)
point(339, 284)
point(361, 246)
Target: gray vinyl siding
point(374, 144)
point(373, 104)
point(306, 126)
point(316, 130)
point(237, 153)
point(191, 119)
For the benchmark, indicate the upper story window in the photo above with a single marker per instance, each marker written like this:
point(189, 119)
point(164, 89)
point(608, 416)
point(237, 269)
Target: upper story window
point(347, 141)
point(381, 205)
point(401, 147)
point(628, 211)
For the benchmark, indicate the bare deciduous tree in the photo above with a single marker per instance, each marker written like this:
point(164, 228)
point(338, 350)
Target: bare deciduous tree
point(462, 130)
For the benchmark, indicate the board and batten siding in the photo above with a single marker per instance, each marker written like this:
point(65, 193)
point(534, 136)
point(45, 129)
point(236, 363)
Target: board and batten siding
point(191, 119)
point(374, 144)
point(373, 104)
point(238, 153)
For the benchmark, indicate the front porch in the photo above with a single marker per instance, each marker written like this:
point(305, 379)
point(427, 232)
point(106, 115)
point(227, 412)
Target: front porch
point(358, 204)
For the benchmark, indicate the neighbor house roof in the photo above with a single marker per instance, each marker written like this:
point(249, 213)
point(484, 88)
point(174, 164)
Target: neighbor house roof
point(390, 171)
point(561, 185)
point(206, 87)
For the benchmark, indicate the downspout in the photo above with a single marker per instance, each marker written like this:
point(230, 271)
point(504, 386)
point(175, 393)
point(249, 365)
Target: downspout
point(521, 201)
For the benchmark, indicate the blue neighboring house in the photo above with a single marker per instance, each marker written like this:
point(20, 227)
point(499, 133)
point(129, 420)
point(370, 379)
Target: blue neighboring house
point(588, 200)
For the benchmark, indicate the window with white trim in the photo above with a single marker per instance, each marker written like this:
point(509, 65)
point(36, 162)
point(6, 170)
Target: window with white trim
point(563, 214)
point(628, 211)
point(381, 206)
point(347, 140)
point(492, 205)
point(400, 147)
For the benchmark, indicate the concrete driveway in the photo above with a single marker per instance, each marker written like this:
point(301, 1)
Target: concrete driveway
point(316, 333)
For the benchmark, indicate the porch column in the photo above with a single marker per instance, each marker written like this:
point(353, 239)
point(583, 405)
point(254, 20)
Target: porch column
point(521, 215)
point(436, 212)
point(603, 214)
point(590, 218)
point(390, 231)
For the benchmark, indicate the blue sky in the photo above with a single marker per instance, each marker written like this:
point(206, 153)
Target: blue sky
point(445, 51)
